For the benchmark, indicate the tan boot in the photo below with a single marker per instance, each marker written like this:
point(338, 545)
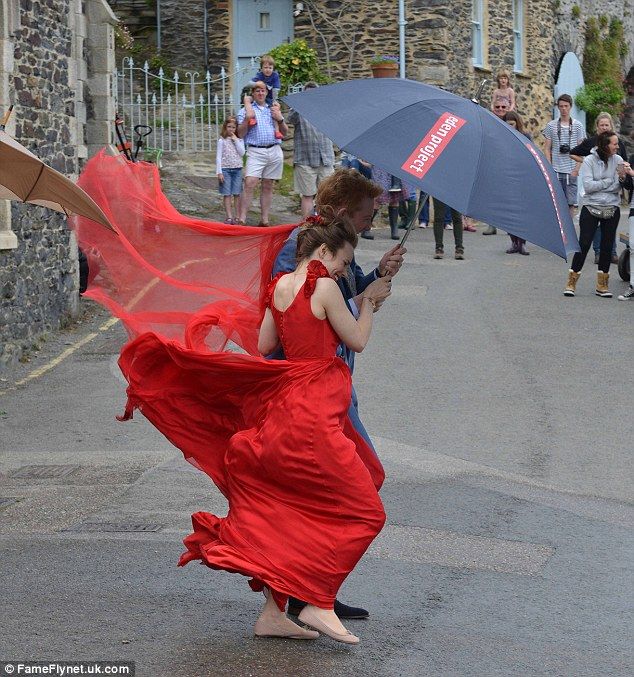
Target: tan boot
point(602, 285)
point(572, 283)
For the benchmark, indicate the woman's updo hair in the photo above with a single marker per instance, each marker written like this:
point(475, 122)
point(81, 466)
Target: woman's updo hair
point(603, 142)
point(332, 231)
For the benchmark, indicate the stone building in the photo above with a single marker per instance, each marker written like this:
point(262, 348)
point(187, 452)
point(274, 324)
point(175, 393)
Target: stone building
point(451, 43)
point(56, 63)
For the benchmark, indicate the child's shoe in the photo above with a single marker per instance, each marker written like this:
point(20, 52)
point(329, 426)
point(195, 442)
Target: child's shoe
point(252, 122)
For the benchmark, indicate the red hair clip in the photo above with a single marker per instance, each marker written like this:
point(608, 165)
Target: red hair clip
point(315, 220)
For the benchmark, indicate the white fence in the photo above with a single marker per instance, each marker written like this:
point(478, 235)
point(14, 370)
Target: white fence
point(185, 112)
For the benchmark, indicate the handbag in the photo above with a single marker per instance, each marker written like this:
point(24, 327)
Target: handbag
point(603, 213)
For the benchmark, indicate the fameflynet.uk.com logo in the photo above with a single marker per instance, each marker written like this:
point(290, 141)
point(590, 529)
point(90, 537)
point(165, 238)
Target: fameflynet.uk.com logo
point(433, 144)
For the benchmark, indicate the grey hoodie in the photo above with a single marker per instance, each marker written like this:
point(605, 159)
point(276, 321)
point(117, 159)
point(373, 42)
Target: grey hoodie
point(600, 181)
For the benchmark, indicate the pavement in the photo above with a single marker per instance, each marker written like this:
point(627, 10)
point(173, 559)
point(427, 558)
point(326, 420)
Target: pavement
point(502, 413)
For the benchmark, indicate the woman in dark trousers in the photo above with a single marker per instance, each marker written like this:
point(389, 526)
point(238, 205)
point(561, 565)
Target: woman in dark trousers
point(518, 244)
point(603, 123)
point(602, 187)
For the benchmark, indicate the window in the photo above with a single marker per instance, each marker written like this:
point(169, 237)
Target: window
point(265, 21)
point(518, 35)
point(477, 33)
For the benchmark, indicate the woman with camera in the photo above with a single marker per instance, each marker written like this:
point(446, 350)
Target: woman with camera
point(603, 172)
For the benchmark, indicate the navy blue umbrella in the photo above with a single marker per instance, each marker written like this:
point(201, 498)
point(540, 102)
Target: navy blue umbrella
point(450, 148)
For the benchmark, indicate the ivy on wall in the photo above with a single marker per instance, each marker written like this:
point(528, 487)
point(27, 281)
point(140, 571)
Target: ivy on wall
point(602, 70)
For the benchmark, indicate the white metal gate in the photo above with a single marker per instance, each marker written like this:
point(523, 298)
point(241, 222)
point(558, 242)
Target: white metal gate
point(185, 111)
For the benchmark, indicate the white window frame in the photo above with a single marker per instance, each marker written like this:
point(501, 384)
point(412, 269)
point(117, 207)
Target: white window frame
point(518, 36)
point(477, 33)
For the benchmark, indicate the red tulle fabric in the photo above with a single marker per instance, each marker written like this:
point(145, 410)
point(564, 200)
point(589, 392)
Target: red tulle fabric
point(274, 435)
point(195, 281)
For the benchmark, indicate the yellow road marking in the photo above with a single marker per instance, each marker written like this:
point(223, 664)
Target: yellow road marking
point(40, 371)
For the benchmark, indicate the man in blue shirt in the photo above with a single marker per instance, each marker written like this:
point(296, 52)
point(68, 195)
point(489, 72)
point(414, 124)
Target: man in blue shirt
point(348, 193)
point(265, 160)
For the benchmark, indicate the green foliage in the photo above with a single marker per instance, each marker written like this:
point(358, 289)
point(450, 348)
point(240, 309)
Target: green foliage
point(596, 97)
point(602, 68)
point(602, 55)
point(576, 11)
point(296, 62)
point(122, 37)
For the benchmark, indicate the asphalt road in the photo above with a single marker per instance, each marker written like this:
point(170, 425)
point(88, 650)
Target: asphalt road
point(503, 414)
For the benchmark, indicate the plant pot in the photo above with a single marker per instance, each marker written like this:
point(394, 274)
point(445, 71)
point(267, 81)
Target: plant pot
point(385, 70)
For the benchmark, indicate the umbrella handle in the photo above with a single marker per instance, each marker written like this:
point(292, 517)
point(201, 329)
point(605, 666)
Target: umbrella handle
point(478, 94)
point(5, 119)
point(410, 225)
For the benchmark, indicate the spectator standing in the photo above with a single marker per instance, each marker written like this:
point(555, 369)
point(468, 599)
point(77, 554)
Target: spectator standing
point(439, 229)
point(603, 123)
point(500, 109)
point(561, 135)
point(313, 158)
point(518, 244)
point(627, 173)
point(271, 78)
point(229, 154)
point(602, 178)
point(265, 160)
point(394, 190)
point(503, 91)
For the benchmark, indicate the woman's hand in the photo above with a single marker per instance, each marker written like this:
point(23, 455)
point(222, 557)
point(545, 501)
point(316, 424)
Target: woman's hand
point(221, 178)
point(376, 292)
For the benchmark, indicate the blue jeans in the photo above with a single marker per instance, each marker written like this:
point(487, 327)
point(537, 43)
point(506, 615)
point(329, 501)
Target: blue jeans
point(596, 243)
point(232, 185)
point(354, 163)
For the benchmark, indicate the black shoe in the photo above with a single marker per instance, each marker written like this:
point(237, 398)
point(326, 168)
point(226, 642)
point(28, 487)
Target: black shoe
point(342, 610)
point(366, 235)
point(349, 612)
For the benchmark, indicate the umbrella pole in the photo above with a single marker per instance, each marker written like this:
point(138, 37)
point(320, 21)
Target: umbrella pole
point(424, 197)
point(5, 119)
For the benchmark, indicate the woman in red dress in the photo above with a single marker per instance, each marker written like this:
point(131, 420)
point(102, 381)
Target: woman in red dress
point(261, 428)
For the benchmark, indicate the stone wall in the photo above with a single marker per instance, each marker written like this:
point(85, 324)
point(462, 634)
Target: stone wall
point(347, 33)
point(55, 62)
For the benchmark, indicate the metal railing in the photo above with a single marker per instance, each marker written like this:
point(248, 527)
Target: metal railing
point(185, 113)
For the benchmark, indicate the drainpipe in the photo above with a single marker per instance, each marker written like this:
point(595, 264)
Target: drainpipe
point(158, 26)
point(401, 37)
point(205, 34)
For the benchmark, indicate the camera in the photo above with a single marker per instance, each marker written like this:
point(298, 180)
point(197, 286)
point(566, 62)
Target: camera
point(564, 149)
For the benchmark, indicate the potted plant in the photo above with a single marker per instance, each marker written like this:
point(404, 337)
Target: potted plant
point(385, 66)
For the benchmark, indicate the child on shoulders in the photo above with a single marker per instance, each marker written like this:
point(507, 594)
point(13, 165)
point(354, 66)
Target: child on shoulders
point(271, 78)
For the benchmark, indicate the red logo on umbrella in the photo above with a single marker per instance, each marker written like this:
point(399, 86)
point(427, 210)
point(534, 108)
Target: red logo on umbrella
point(433, 144)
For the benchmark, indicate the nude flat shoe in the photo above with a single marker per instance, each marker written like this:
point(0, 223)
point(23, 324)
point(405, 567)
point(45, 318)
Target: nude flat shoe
point(264, 631)
point(302, 634)
point(306, 616)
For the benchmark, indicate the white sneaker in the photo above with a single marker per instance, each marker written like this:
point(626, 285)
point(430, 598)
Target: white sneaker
point(628, 295)
point(422, 224)
point(449, 226)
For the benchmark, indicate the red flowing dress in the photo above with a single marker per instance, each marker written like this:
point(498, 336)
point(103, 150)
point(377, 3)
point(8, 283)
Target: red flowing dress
point(274, 436)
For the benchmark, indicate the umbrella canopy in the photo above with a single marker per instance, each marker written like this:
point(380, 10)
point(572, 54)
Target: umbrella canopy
point(23, 176)
point(449, 147)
